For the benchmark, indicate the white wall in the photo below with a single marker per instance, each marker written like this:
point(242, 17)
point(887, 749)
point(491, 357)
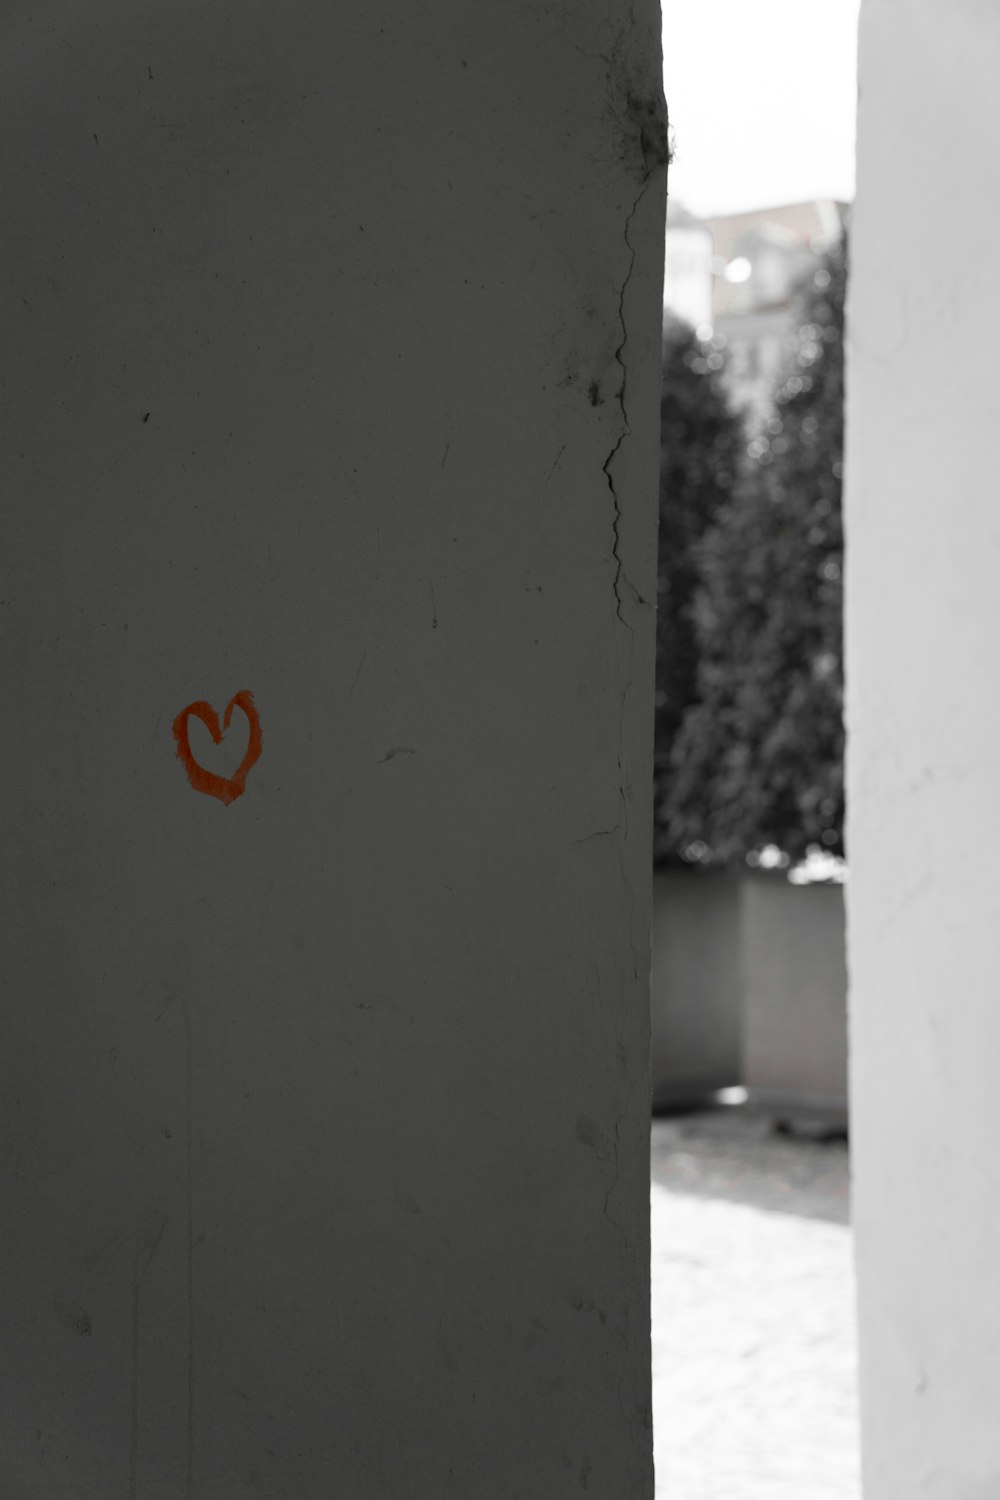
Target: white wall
point(923, 546)
point(325, 1113)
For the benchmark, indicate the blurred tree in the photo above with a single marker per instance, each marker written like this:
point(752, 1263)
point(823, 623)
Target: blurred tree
point(701, 440)
point(758, 760)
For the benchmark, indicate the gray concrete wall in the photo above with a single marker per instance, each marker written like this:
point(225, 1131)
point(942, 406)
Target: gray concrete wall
point(795, 1006)
point(696, 985)
point(331, 355)
point(749, 986)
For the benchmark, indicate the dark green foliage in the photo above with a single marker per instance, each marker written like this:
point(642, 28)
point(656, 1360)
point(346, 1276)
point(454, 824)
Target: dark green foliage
point(759, 758)
point(701, 441)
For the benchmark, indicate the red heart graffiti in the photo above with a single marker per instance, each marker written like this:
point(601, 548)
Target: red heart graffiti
point(227, 789)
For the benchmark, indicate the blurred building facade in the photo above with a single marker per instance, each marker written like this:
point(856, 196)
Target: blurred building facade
point(687, 272)
point(734, 276)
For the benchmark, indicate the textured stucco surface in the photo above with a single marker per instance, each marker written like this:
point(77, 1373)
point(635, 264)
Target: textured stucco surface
point(331, 361)
point(923, 617)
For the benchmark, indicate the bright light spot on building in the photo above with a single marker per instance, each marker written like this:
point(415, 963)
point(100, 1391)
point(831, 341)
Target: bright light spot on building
point(773, 858)
point(738, 269)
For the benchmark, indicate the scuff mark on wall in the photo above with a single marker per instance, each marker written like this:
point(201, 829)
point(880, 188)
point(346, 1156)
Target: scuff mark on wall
point(72, 1316)
point(397, 750)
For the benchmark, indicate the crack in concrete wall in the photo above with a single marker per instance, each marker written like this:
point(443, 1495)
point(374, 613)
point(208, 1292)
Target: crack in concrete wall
point(626, 428)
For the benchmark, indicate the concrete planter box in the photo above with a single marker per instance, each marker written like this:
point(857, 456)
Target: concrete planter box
point(795, 998)
point(749, 986)
point(696, 989)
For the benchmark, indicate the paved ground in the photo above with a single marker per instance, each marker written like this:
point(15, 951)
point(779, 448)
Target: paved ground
point(732, 1154)
point(754, 1389)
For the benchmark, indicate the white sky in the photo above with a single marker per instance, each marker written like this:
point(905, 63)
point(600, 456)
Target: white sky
point(762, 96)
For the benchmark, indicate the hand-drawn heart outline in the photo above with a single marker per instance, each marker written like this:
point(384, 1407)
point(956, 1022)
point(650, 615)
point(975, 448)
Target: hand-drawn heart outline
point(227, 789)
